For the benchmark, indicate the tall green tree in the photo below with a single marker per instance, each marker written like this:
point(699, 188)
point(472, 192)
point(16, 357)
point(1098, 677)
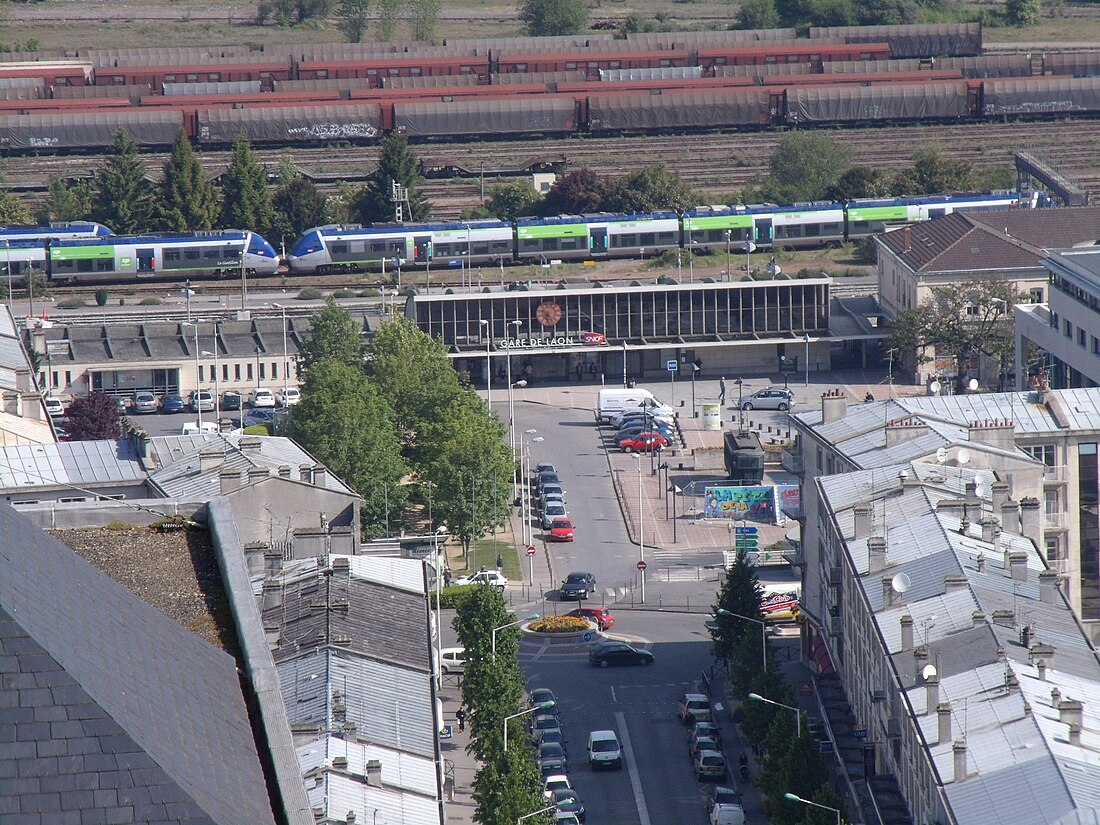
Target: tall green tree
point(297, 202)
point(935, 172)
point(188, 201)
point(345, 423)
point(860, 182)
point(508, 201)
point(123, 198)
point(576, 193)
point(389, 15)
point(13, 210)
point(67, 200)
point(804, 166)
point(508, 787)
point(1023, 12)
point(353, 19)
point(424, 18)
point(396, 162)
point(246, 202)
point(542, 18)
point(757, 14)
point(334, 336)
point(651, 189)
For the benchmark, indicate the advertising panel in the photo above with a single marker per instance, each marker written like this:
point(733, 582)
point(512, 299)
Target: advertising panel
point(755, 503)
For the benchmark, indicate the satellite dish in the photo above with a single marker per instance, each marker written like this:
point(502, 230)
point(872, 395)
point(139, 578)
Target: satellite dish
point(972, 384)
point(964, 456)
point(928, 672)
point(941, 455)
point(900, 583)
point(935, 387)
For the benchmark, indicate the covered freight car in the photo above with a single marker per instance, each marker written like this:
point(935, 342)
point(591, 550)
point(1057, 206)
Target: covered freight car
point(531, 114)
point(291, 124)
point(675, 110)
point(1038, 95)
point(989, 65)
point(861, 104)
point(1074, 64)
point(88, 130)
point(919, 40)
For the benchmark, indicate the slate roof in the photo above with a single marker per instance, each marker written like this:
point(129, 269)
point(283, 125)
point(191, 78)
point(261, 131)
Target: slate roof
point(974, 241)
point(79, 463)
point(111, 711)
point(33, 427)
point(1021, 766)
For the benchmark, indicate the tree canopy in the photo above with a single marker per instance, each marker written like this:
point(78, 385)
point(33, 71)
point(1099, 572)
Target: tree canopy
point(67, 201)
point(334, 336)
point(576, 193)
point(247, 202)
point(934, 172)
point(298, 203)
point(651, 189)
point(508, 201)
point(93, 417)
point(187, 201)
point(372, 204)
point(804, 166)
point(543, 18)
point(123, 197)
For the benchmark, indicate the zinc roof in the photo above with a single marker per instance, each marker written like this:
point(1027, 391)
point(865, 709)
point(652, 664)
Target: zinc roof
point(77, 463)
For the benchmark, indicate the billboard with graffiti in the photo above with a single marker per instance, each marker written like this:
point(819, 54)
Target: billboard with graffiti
point(755, 503)
point(790, 499)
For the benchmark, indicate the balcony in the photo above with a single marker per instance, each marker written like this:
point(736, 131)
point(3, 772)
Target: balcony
point(1058, 474)
point(834, 621)
point(792, 461)
point(1055, 521)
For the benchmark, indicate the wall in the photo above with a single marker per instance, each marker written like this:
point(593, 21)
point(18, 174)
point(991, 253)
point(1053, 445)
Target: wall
point(69, 516)
point(270, 510)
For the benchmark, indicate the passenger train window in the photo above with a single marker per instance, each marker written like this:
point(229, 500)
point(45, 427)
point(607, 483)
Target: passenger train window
point(339, 248)
point(647, 239)
point(104, 264)
point(171, 255)
point(501, 246)
point(191, 254)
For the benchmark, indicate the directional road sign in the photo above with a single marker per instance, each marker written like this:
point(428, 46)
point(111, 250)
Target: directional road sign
point(672, 365)
point(587, 637)
point(745, 531)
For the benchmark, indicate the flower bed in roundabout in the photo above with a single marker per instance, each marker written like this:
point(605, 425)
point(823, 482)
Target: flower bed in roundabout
point(559, 628)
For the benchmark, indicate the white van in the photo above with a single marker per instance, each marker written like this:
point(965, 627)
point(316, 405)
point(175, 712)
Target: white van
point(604, 750)
point(609, 402)
point(194, 428)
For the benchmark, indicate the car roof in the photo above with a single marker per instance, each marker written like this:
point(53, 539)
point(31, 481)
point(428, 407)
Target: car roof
point(603, 734)
point(691, 696)
point(578, 574)
point(557, 777)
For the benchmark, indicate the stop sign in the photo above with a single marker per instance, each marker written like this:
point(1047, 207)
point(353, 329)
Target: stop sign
point(642, 565)
point(530, 549)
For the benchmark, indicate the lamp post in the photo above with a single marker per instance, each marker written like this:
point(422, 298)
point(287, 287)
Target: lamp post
point(740, 409)
point(763, 632)
point(641, 526)
point(488, 366)
point(532, 709)
point(728, 234)
point(286, 358)
point(7, 268)
point(198, 402)
point(756, 697)
point(257, 367)
point(217, 385)
point(530, 618)
point(525, 491)
point(466, 257)
point(244, 282)
point(511, 406)
point(547, 809)
point(795, 798)
point(806, 340)
point(749, 248)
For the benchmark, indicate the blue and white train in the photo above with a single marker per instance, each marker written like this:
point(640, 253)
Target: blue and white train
point(63, 230)
point(337, 248)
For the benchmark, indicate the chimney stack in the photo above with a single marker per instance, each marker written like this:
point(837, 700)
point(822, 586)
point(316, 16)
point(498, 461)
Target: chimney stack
point(249, 444)
point(990, 528)
point(943, 720)
point(931, 693)
point(257, 474)
point(861, 514)
point(1071, 712)
point(319, 475)
point(955, 581)
point(210, 457)
point(1010, 516)
point(305, 473)
point(958, 750)
point(999, 433)
point(876, 554)
point(1031, 525)
point(372, 772)
point(1041, 670)
point(889, 595)
point(906, 240)
point(230, 480)
point(998, 494)
point(920, 660)
point(1075, 735)
point(901, 430)
point(834, 406)
point(1048, 586)
point(906, 632)
point(1041, 652)
point(1017, 562)
point(284, 471)
point(977, 618)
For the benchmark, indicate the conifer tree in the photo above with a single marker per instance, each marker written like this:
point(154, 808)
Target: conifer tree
point(396, 163)
point(246, 202)
point(123, 197)
point(188, 201)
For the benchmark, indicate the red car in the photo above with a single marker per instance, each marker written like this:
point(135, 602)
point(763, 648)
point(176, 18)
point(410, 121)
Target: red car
point(561, 529)
point(601, 616)
point(643, 442)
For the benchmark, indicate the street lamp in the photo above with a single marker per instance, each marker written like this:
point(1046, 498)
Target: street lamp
point(257, 367)
point(806, 340)
point(7, 268)
point(763, 631)
point(198, 402)
point(547, 809)
point(511, 407)
point(539, 706)
point(740, 409)
point(282, 309)
point(530, 618)
point(217, 384)
point(641, 527)
point(525, 491)
point(756, 697)
point(728, 234)
point(749, 248)
point(795, 798)
point(488, 366)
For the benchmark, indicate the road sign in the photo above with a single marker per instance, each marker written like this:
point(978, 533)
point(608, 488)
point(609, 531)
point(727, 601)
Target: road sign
point(587, 637)
point(672, 365)
point(530, 549)
point(642, 565)
point(859, 733)
point(446, 732)
point(826, 746)
point(745, 531)
point(745, 544)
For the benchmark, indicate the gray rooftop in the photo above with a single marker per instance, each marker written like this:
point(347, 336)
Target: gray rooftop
point(76, 463)
point(113, 712)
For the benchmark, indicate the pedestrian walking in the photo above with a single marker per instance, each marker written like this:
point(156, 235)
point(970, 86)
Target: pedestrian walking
point(460, 715)
point(722, 390)
point(446, 577)
point(500, 563)
point(580, 373)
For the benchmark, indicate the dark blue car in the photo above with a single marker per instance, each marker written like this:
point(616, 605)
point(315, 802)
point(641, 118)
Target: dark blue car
point(172, 404)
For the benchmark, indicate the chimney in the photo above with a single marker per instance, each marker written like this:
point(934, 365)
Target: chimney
point(210, 458)
point(249, 444)
point(958, 750)
point(979, 562)
point(230, 480)
point(906, 632)
point(931, 693)
point(889, 595)
point(861, 514)
point(1041, 652)
point(320, 473)
point(372, 772)
point(990, 528)
point(999, 433)
point(955, 581)
point(834, 406)
point(977, 618)
point(257, 474)
point(305, 473)
point(341, 566)
point(1075, 735)
point(1055, 697)
point(971, 495)
point(920, 661)
point(23, 381)
point(1041, 670)
point(943, 719)
point(950, 506)
point(906, 240)
point(1030, 524)
point(1017, 563)
point(1010, 516)
point(876, 554)
point(341, 764)
point(1012, 682)
point(1048, 586)
point(1071, 712)
point(999, 495)
point(901, 430)
point(272, 595)
point(284, 471)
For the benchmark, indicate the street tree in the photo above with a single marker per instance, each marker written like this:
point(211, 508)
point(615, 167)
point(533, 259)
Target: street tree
point(1023, 12)
point(860, 182)
point(792, 764)
point(758, 716)
point(651, 189)
point(353, 19)
point(757, 14)
point(804, 166)
point(576, 193)
point(959, 320)
point(424, 18)
point(67, 200)
point(289, 12)
point(345, 423)
point(888, 13)
point(508, 786)
point(826, 796)
point(334, 335)
point(543, 18)
point(13, 210)
point(934, 172)
point(188, 201)
point(740, 595)
point(396, 162)
point(508, 201)
point(93, 417)
point(246, 202)
point(123, 198)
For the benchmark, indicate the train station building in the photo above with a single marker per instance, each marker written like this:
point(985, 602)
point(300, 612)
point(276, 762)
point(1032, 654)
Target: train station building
point(620, 332)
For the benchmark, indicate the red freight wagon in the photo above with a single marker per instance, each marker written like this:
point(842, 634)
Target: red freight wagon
point(30, 107)
point(259, 98)
point(814, 53)
point(51, 72)
point(590, 62)
point(695, 84)
point(383, 66)
point(264, 72)
point(448, 92)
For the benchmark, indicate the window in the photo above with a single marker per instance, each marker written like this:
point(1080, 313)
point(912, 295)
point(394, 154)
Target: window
point(68, 378)
point(249, 370)
point(1042, 452)
point(1095, 345)
point(263, 371)
point(1080, 337)
point(237, 372)
point(201, 379)
point(274, 370)
point(1067, 328)
point(1035, 295)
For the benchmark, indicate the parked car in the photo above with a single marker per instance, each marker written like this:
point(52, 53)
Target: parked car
point(543, 698)
point(144, 403)
point(552, 511)
point(172, 403)
point(600, 616)
point(453, 660)
point(710, 765)
point(608, 653)
point(489, 577)
point(551, 498)
point(201, 401)
point(561, 529)
point(232, 400)
point(604, 750)
point(552, 752)
point(577, 586)
point(727, 815)
point(565, 818)
point(289, 397)
point(703, 743)
point(566, 800)
point(632, 429)
point(711, 729)
point(643, 442)
point(550, 493)
point(721, 795)
point(552, 735)
point(694, 707)
point(555, 782)
point(54, 407)
point(195, 428)
point(543, 467)
point(769, 398)
point(547, 477)
point(121, 404)
point(618, 421)
point(261, 398)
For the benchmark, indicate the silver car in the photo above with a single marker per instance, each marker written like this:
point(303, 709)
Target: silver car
point(552, 511)
point(145, 402)
point(769, 398)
